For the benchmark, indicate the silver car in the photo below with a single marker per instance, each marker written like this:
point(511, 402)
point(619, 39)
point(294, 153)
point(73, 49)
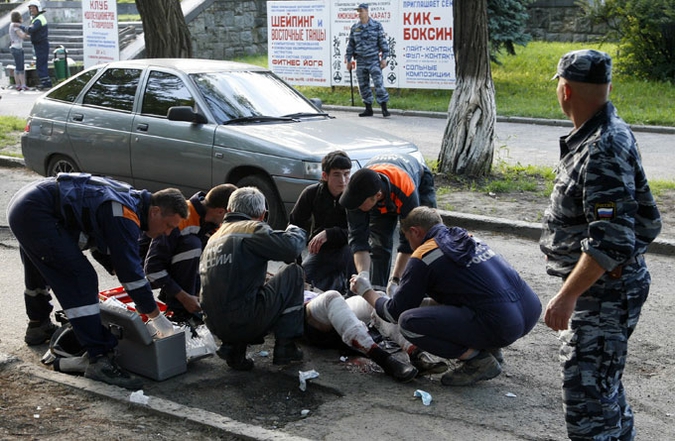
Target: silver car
point(193, 124)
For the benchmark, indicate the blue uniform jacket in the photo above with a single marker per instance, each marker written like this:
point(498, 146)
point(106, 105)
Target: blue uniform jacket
point(110, 216)
point(454, 268)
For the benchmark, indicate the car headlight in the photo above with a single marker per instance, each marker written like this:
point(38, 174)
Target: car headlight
point(313, 170)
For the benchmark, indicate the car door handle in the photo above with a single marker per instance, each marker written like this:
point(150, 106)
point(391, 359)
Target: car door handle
point(78, 117)
point(142, 127)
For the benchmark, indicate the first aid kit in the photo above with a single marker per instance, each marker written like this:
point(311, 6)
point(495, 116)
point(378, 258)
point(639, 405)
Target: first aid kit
point(138, 351)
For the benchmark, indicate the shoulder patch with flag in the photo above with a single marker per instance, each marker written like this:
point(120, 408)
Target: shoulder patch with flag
point(606, 210)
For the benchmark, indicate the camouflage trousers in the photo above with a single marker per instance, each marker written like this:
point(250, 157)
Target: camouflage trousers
point(593, 357)
point(365, 70)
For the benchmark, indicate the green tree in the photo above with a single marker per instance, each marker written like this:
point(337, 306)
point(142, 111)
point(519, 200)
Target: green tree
point(506, 26)
point(645, 30)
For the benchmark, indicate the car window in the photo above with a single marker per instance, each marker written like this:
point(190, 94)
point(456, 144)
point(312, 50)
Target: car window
point(70, 90)
point(115, 89)
point(165, 90)
point(240, 94)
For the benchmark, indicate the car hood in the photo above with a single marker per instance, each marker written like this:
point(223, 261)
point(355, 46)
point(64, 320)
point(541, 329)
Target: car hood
point(315, 138)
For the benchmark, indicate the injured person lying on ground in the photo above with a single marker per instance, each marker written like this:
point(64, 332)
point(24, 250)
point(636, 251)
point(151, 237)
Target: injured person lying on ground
point(330, 319)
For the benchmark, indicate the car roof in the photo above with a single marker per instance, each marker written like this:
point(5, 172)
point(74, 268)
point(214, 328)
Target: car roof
point(187, 65)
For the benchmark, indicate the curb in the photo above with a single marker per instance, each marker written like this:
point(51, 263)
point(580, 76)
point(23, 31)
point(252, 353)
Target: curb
point(11, 162)
point(508, 119)
point(154, 404)
point(526, 230)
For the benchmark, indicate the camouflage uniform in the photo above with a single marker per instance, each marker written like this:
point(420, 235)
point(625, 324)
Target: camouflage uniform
point(601, 205)
point(366, 41)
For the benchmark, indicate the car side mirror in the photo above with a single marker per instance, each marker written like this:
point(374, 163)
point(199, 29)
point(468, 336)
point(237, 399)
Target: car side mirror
point(317, 102)
point(186, 114)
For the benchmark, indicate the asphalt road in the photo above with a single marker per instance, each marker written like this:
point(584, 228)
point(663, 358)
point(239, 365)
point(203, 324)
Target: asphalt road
point(524, 141)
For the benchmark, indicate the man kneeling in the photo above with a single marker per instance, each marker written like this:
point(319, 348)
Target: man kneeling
point(239, 306)
point(457, 298)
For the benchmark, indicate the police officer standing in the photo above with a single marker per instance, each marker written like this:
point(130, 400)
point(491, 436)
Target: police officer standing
point(368, 46)
point(600, 221)
point(39, 33)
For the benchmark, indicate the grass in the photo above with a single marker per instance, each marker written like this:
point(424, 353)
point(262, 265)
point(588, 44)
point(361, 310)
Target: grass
point(11, 128)
point(523, 87)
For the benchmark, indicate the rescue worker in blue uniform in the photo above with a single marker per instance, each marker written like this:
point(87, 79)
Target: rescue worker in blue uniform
point(386, 189)
point(368, 45)
point(172, 261)
point(39, 37)
point(54, 219)
point(457, 298)
point(600, 220)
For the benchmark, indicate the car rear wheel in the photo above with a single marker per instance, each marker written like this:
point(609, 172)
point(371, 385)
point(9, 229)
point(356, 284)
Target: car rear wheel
point(61, 164)
point(276, 215)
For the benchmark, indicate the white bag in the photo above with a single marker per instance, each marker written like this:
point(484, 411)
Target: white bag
point(199, 342)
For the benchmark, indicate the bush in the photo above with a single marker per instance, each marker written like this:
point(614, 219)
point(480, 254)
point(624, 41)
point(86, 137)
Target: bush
point(645, 30)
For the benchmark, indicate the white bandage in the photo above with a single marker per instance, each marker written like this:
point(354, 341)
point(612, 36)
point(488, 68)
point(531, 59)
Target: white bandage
point(331, 308)
point(360, 284)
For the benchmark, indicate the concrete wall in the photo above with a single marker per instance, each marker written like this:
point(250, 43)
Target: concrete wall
point(561, 20)
point(230, 28)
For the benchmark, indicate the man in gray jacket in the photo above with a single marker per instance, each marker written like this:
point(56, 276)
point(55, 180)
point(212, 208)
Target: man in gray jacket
point(239, 306)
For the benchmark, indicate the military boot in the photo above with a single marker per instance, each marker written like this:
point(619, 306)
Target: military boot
point(368, 111)
point(385, 111)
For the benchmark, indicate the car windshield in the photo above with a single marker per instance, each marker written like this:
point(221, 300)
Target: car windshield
point(243, 94)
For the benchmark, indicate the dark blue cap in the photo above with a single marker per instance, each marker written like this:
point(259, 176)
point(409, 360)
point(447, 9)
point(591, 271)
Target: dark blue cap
point(585, 66)
point(362, 6)
point(363, 184)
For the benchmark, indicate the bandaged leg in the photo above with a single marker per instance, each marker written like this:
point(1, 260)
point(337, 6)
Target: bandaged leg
point(393, 332)
point(331, 310)
point(361, 308)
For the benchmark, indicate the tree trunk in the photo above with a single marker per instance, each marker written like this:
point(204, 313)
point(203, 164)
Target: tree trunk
point(468, 142)
point(166, 33)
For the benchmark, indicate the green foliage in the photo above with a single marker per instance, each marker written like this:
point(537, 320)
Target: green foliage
point(646, 32)
point(506, 26)
point(11, 128)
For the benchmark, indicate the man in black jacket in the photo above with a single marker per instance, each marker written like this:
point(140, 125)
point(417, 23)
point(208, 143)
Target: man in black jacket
point(329, 262)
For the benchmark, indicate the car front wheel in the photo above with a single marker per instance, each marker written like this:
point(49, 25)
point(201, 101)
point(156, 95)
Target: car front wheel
point(61, 164)
point(276, 215)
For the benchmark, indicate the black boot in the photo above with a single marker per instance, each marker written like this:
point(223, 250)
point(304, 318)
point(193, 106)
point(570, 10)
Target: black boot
point(235, 356)
point(286, 352)
point(385, 112)
point(368, 111)
point(392, 366)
